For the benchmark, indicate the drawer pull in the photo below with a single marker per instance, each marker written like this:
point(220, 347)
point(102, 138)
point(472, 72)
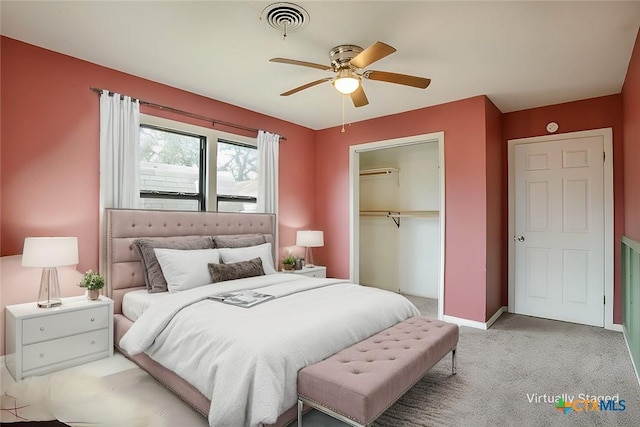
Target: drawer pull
point(41, 328)
point(93, 319)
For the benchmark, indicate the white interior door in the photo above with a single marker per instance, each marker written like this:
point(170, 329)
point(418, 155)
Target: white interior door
point(559, 230)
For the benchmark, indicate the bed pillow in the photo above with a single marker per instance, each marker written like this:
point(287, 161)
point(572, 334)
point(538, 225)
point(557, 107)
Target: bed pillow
point(184, 269)
point(238, 242)
point(231, 255)
point(236, 270)
point(153, 277)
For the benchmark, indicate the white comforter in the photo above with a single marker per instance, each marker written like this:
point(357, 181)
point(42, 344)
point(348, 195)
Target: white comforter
point(246, 360)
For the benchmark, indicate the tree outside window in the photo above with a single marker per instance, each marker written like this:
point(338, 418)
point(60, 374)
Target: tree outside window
point(237, 177)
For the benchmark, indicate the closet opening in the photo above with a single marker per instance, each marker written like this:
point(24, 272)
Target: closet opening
point(397, 219)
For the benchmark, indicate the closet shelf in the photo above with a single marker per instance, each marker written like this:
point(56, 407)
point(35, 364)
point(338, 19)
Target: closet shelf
point(396, 215)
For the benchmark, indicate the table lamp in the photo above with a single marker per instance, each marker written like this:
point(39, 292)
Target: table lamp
point(49, 253)
point(309, 239)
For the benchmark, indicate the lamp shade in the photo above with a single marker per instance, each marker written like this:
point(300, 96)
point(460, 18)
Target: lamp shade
point(310, 238)
point(50, 251)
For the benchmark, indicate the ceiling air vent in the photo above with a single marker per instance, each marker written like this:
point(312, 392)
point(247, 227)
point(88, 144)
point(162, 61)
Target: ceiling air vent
point(285, 17)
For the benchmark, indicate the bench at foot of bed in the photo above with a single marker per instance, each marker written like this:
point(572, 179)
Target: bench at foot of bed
point(359, 383)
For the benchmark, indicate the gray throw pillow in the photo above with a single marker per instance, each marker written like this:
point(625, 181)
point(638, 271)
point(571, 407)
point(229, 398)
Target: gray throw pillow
point(236, 270)
point(153, 277)
point(234, 242)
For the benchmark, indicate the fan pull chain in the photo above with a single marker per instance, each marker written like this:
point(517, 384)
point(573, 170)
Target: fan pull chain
point(284, 36)
point(343, 97)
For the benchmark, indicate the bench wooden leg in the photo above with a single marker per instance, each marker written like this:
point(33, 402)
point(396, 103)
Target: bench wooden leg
point(454, 369)
point(300, 404)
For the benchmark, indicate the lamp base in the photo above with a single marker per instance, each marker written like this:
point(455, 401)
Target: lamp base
point(308, 257)
point(49, 295)
point(49, 304)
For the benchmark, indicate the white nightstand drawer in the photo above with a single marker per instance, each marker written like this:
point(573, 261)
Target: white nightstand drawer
point(43, 340)
point(320, 274)
point(48, 327)
point(316, 271)
point(50, 352)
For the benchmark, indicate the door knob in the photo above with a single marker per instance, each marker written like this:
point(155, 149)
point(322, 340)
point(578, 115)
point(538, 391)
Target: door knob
point(519, 238)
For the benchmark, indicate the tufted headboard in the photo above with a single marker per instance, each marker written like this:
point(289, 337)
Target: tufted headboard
point(122, 268)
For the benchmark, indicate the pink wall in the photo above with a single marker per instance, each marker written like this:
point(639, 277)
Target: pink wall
point(496, 200)
point(49, 166)
point(50, 140)
point(594, 113)
point(50, 150)
point(631, 145)
point(463, 123)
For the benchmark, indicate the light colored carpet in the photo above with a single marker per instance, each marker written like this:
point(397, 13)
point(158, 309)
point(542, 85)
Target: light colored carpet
point(499, 371)
point(521, 358)
point(427, 306)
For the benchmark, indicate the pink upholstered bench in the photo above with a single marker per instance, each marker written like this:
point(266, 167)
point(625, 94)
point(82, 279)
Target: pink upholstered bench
point(359, 383)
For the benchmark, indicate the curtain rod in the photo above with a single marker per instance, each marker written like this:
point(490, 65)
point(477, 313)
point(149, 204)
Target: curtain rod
point(188, 114)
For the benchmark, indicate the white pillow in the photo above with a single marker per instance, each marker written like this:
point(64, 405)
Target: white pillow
point(186, 269)
point(231, 255)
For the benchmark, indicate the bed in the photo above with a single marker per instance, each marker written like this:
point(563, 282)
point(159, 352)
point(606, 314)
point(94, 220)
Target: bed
point(267, 343)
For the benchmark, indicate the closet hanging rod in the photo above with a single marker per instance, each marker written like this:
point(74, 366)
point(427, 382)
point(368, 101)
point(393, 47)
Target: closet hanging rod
point(378, 171)
point(188, 114)
point(396, 215)
point(415, 213)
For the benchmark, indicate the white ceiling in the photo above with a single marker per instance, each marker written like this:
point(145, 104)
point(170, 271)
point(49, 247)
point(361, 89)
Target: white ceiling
point(520, 54)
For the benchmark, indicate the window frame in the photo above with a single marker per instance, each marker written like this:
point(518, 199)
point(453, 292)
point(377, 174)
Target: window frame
point(212, 135)
point(229, 197)
point(202, 175)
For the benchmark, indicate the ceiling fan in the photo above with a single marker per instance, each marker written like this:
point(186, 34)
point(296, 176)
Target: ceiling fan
point(347, 62)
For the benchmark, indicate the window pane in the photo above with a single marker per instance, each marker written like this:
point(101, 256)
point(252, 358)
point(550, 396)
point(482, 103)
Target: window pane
point(169, 204)
point(236, 207)
point(169, 161)
point(237, 170)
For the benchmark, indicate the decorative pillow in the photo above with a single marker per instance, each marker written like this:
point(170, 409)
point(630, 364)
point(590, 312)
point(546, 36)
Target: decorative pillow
point(238, 242)
point(153, 276)
point(184, 269)
point(236, 270)
point(229, 255)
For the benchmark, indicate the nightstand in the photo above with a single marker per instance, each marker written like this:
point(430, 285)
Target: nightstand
point(317, 271)
point(42, 340)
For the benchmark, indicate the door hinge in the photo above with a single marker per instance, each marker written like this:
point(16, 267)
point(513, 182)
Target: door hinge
point(604, 299)
point(604, 156)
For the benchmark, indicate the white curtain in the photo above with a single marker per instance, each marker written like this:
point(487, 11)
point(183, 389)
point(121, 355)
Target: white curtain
point(268, 147)
point(119, 141)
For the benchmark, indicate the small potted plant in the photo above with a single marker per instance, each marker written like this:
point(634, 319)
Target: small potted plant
point(93, 282)
point(289, 262)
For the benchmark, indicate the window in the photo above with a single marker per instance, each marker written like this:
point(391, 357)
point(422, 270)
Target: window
point(172, 169)
point(237, 176)
point(178, 163)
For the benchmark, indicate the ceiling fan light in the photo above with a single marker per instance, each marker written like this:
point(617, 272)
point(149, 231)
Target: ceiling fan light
point(346, 82)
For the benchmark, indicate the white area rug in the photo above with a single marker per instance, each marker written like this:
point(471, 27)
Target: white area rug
point(77, 399)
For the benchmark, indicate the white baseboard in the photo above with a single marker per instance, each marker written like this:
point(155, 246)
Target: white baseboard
point(614, 327)
point(635, 368)
point(475, 324)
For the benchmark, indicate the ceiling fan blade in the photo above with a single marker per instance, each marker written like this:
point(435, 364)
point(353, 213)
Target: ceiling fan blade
point(302, 63)
point(401, 79)
point(359, 98)
point(307, 86)
point(373, 53)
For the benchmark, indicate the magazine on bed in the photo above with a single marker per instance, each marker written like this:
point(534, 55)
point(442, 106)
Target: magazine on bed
point(244, 298)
